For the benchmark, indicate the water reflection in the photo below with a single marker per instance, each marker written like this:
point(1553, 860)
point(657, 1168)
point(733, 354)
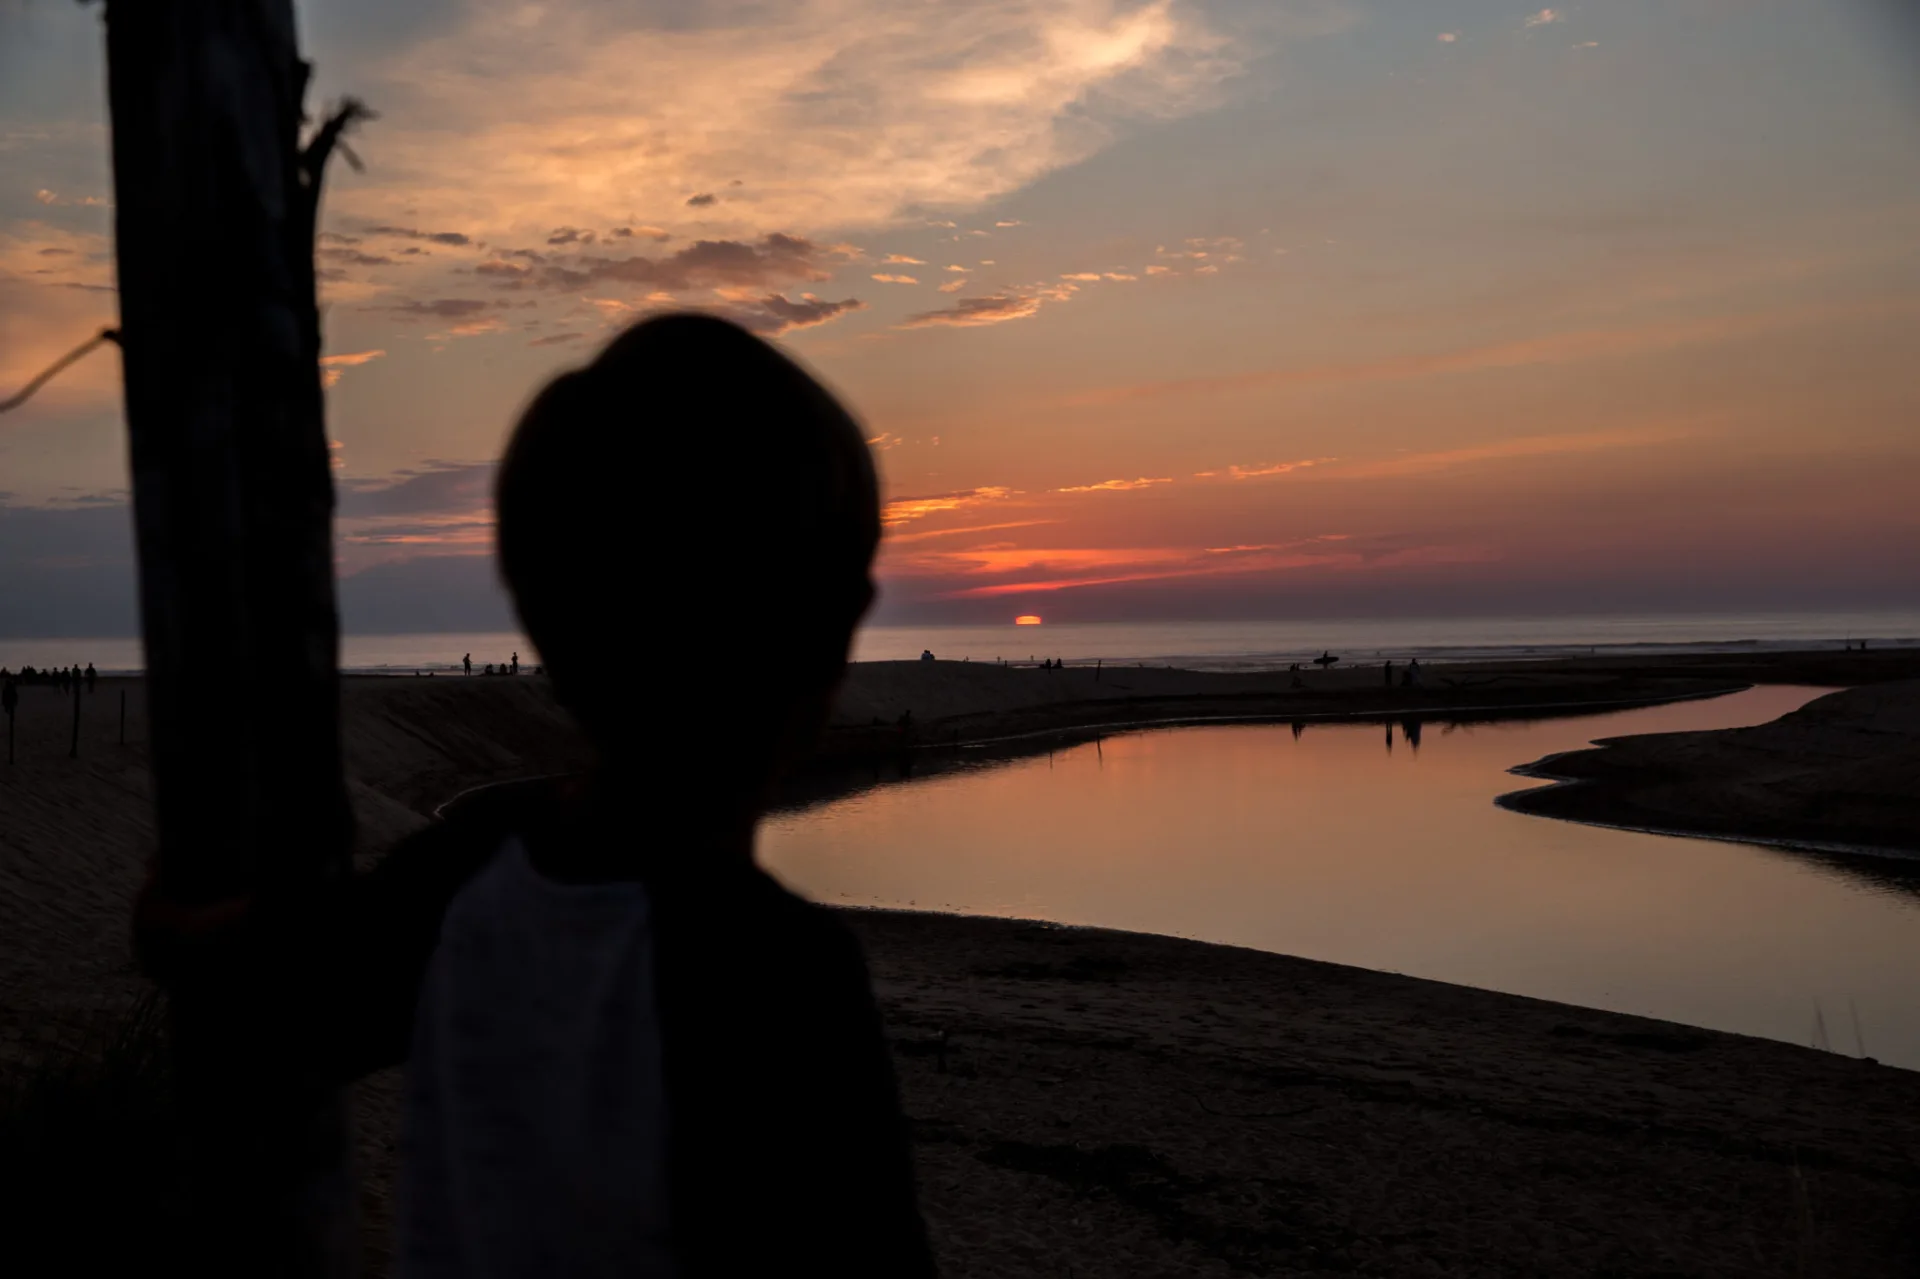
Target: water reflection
point(1320, 843)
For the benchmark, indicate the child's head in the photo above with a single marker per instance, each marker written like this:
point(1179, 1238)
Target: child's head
point(687, 525)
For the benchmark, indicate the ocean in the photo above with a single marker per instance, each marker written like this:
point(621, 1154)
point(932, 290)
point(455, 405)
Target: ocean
point(1222, 646)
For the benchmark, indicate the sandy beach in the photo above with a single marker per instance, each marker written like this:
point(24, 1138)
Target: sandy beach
point(1095, 1103)
point(1842, 772)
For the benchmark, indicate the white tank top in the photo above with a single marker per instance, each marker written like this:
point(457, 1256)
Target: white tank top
point(533, 1138)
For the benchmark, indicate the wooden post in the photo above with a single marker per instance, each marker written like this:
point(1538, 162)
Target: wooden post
point(215, 208)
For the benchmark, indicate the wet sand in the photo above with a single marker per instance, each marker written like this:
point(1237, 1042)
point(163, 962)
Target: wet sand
point(1109, 1104)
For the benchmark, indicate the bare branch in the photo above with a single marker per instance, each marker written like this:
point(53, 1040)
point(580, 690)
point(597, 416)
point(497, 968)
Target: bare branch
point(47, 374)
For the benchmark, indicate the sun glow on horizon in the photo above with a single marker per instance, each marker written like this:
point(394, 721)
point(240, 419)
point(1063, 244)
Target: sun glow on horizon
point(1027, 619)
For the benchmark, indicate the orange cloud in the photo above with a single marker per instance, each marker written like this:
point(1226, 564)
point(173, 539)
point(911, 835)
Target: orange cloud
point(331, 365)
point(1504, 450)
point(1272, 468)
point(969, 313)
point(1106, 486)
point(1147, 566)
point(896, 279)
point(905, 509)
point(928, 534)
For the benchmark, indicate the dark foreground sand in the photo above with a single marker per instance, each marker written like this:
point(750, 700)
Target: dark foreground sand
point(1099, 1104)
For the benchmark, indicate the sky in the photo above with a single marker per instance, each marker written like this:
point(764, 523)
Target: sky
point(1151, 309)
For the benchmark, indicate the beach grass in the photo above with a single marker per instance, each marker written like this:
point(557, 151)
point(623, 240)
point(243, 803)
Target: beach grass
point(88, 1150)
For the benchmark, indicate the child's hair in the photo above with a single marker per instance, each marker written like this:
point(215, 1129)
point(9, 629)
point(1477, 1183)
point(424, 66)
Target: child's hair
point(691, 514)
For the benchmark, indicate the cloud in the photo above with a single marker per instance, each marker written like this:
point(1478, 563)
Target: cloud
point(953, 286)
point(555, 339)
point(896, 279)
point(905, 509)
point(1011, 570)
point(331, 365)
point(502, 270)
point(653, 233)
point(923, 535)
point(433, 488)
point(772, 261)
point(703, 200)
point(1109, 486)
point(956, 268)
point(471, 328)
point(997, 308)
point(561, 235)
point(856, 113)
point(1544, 17)
point(354, 257)
point(1448, 37)
point(1525, 446)
point(1259, 470)
point(775, 313)
point(414, 233)
point(436, 308)
point(47, 197)
point(1204, 248)
point(1010, 222)
point(901, 259)
point(1092, 276)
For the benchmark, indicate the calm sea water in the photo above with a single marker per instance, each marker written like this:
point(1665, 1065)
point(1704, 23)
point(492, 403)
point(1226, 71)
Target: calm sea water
point(1200, 645)
point(1348, 843)
point(1255, 645)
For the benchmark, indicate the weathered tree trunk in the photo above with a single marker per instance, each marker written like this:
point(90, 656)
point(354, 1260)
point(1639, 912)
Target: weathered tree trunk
point(233, 500)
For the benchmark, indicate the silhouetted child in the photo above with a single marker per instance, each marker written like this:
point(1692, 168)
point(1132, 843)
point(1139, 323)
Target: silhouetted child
point(630, 1051)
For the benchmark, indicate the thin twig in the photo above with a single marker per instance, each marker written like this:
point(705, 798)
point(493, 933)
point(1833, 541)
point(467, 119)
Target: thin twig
point(47, 374)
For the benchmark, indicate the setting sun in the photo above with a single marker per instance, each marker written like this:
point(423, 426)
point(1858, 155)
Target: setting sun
point(1027, 619)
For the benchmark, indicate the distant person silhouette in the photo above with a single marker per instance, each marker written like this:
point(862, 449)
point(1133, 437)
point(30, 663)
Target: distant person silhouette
point(631, 1051)
point(926, 655)
point(1413, 672)
point(489, 669)
point(1388, 669)
point(93, 677)
point(467, 663)
point(516, 665)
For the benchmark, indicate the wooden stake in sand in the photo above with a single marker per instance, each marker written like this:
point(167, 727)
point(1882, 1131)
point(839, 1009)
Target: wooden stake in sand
point(214, 218)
